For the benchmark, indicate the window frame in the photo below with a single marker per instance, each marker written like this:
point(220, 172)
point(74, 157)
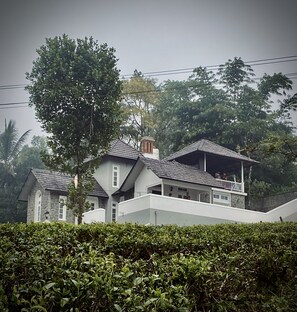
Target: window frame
point(114, 212)
point(37, 206)
point(115, 175)
point(221, 198)
point(64, 207)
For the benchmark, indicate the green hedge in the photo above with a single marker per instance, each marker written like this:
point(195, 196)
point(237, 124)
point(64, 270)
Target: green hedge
point(111, 267)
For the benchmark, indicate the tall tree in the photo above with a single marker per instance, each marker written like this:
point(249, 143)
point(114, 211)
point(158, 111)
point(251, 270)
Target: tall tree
point(191, 110)
point(231, 113)
point(75, 89)
point(11, 145)
point(233, 75)
point(139, 97)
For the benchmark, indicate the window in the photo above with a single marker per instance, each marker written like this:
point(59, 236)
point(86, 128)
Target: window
point(115, 175)
point(62, 207)
point(114, 212)
point(219, 198)
point(37, 207)
point(93, 203)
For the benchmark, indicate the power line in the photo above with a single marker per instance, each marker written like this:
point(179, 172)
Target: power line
point(259, 62)
point(13, 103)
point(8, 87)
point(266, 61)
point(14, 107)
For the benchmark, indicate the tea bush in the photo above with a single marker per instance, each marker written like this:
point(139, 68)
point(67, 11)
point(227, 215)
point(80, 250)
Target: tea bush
point(113, 267)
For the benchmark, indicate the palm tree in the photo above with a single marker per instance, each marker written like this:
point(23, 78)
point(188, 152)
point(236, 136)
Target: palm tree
point(10, 146)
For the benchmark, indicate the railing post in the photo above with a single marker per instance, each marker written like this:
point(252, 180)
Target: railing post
point(242, 177)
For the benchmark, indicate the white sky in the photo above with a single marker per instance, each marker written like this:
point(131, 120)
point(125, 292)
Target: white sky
point(149, 36)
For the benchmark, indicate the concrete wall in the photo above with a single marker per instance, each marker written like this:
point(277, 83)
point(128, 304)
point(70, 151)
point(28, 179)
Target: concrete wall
point(267, 203)
point(97, 215)
point(155, 209)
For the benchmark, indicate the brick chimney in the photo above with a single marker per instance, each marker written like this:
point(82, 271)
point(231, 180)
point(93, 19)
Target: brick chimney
point(147, 148)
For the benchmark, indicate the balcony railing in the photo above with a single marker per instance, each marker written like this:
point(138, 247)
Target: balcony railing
point(231, 185)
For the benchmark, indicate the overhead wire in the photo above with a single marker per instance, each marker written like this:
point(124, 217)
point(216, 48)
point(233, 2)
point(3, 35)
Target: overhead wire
point(265, 61)
point(258, 62)
point(12, 104)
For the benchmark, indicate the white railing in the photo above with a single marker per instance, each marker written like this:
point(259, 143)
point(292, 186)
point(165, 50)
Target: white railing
point(231, 185)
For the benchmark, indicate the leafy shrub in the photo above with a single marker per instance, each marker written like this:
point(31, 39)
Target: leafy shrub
point(113, 267)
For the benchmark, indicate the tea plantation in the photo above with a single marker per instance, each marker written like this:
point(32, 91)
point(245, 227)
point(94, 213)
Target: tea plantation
point(112, 267)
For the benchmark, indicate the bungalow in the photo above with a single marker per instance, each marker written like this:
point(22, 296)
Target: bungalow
point(46, 191)
point(201, 183)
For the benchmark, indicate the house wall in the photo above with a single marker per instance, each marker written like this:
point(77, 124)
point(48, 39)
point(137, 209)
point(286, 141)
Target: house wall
point(49, 203)
point(103, 174)
point(238, 201)
point(54, 211)
point(45, 202)
point(145, 179)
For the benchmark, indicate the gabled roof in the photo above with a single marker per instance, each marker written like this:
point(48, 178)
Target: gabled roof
point(121, 149)
point(170, 170)
point(173, 170)
point(209, 147)
point(54, 181)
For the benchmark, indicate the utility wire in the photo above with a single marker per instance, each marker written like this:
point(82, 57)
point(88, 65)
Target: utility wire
point(12, 104)
point(14, 107)
point(267, 61)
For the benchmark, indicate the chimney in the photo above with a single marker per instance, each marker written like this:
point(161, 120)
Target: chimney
point(147, 148)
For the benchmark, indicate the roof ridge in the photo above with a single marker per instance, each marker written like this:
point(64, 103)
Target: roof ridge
point(37, 170)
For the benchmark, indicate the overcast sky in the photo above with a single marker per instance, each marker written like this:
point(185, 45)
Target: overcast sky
point(150, 36)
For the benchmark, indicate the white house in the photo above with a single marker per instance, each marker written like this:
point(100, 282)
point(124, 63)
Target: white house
point(46, 191)
point(201, 184)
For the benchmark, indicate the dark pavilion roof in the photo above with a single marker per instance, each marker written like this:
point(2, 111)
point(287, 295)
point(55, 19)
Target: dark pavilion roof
point(54, 181)
point(209, 147)
point(121, 149)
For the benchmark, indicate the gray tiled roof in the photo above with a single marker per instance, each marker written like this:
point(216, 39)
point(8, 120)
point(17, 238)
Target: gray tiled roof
point(57, 181)
point(210, 148)
point(173, 170)
point(121, 149)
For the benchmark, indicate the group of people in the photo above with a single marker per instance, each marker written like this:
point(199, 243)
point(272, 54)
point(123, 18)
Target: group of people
point(223, 176)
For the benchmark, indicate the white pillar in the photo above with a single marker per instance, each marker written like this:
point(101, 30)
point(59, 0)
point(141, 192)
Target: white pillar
point(162, 188)
point(242, 177)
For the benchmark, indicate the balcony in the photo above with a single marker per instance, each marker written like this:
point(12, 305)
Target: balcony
point(232, 186)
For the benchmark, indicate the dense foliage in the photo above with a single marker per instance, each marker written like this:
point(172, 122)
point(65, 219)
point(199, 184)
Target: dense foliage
point(75, 88)
point(227, 106)
point(16, 160)
point(111, 267)
point(139, 97)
